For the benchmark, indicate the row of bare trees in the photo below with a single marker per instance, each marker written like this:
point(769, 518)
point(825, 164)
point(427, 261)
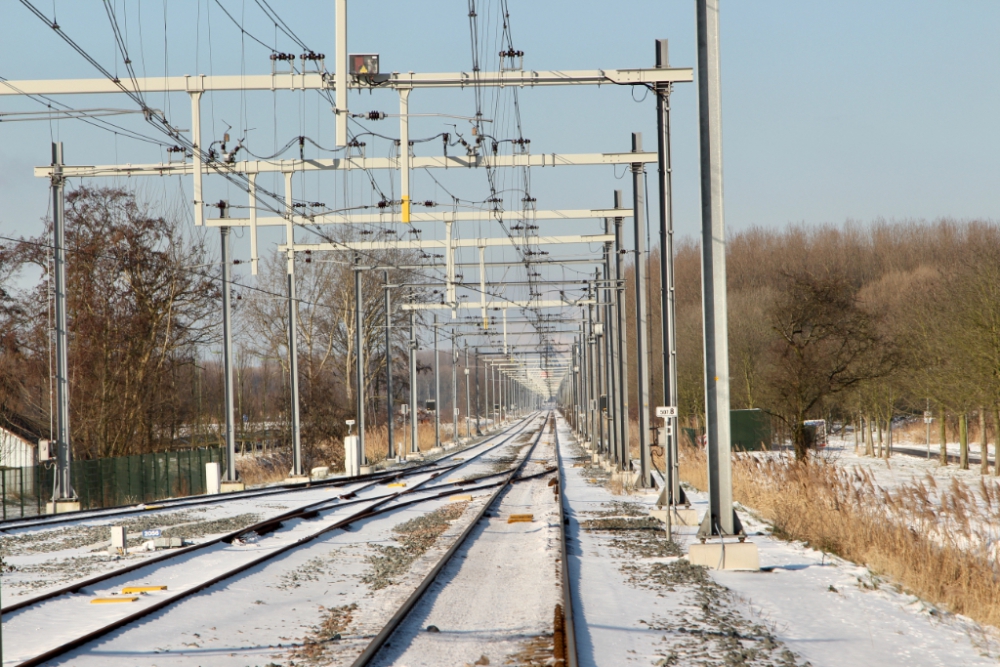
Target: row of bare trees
point(144, 310)
point(840, 321)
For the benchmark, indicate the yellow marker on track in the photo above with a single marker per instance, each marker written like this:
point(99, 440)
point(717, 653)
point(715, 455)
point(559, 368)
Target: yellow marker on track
point(396, 485)
point(142, 589)
point(154, 507)
point(460, 498)
point(114, 600)
point(520, 518)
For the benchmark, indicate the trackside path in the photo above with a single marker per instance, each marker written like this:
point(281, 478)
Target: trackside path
point(641, 603)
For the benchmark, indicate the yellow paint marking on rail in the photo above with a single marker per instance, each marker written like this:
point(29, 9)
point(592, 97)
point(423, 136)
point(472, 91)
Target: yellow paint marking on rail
point(460, 498)
point(458, 458)
point(396, 485)
point(129, 598)
point(142, 589)
point(154, 507)
point(540, 461)
point(520, 518)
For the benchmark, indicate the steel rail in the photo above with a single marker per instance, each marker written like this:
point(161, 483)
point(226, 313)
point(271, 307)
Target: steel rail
point(363, 514)
point(569, 629)
point(267, 525)
point(379, 640)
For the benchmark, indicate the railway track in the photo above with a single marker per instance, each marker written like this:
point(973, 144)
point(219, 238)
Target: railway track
point(298, 531)
point(198, 501)
point(563, 636)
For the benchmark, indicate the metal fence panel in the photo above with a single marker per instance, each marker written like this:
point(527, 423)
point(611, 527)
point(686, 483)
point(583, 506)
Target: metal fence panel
point(124, 480)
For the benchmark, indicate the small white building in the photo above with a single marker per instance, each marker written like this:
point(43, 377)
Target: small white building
point(19, 440)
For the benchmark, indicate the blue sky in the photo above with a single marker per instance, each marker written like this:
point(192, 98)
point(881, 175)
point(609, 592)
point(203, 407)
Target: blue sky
point(831, 111)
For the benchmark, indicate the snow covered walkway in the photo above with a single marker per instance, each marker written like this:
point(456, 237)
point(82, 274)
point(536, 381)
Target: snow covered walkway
point(639, 604)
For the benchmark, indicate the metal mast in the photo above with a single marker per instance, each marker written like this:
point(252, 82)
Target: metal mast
point(721, 518)
point(359, 359)
point(668, 322)
point(388, 368)
point(293, 366)
point(63, 488)
point(227, 354)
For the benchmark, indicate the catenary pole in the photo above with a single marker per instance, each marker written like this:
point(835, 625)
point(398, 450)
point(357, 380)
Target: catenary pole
point(454, 389)
point(621, 353)
point(227, 353)
point(721, 518)
point(478, 405)
point(437, 388)
point(293, 367)
point(388, 368)
point(668, 322)
point(468, 402)
point(359, 358)
point(63, 487)
point(609, 346)
point(642, 323)
point(414, 445)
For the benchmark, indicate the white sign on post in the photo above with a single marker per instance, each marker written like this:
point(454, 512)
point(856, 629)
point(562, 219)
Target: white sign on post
point(456, 412)
point(666, 411)
point(928, 416)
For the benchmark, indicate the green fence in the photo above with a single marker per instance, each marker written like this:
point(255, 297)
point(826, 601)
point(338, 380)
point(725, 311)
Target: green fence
point(123, 480)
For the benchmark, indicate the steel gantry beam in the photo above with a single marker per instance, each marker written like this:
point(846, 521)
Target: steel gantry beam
point(278, 81)
point(350, 163)
point(444, 244)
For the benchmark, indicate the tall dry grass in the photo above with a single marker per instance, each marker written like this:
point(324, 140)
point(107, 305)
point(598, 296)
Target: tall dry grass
point(938, 543)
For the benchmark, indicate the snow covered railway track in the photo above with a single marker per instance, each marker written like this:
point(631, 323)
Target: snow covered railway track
point(269, 524)
point(500, 593)
point(41, 625)
point(198, 501)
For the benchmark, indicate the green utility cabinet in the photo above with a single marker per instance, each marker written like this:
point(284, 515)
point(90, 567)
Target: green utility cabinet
point(750, 429)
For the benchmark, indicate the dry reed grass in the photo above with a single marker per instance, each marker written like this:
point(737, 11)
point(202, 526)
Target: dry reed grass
point(938, 543)
point(259, 470)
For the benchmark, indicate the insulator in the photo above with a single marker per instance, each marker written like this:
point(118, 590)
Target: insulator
point(376, 115)
point(429, 203)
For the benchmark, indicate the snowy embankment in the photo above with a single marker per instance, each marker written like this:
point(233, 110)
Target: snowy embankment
point(638, 603)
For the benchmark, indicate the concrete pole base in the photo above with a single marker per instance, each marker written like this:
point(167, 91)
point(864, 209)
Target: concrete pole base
point(229, 487)
point(297, 479)
point(679, 516)
point(367, 470)
point(725, 555)
point(62, 506)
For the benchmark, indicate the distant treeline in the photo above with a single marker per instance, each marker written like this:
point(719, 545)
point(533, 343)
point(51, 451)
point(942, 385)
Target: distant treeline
point(839, 321)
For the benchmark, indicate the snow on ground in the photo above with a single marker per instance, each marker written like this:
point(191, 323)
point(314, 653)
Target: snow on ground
point(321, 601)
point(640, 605)
point(497, 596)
point(902, 468)
point(39, 559)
